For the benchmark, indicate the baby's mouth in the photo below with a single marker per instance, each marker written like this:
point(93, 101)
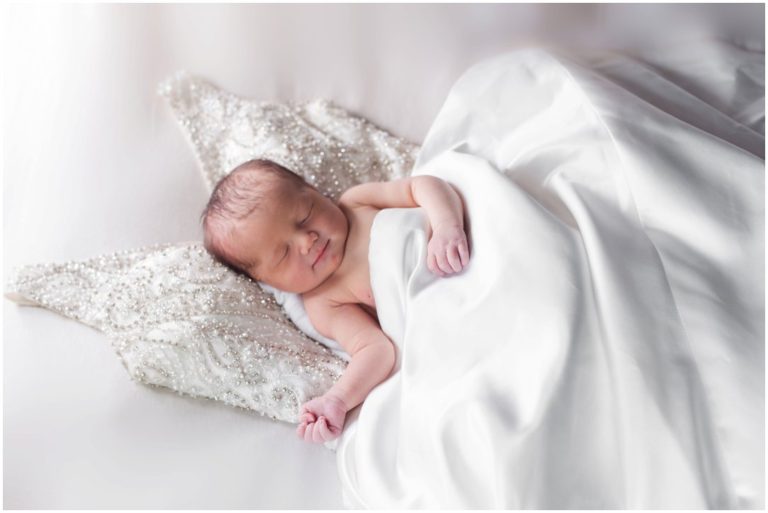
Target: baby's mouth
point(322, 252)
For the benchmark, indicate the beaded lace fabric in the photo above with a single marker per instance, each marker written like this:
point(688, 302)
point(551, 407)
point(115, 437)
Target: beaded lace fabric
point(330, 147)
point(179, 319)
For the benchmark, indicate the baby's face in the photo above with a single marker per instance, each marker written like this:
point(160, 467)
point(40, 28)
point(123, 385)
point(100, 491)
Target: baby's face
point(288, 236)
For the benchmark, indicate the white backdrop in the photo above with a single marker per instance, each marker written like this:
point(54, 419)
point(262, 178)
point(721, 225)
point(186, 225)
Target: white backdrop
point(93, 163)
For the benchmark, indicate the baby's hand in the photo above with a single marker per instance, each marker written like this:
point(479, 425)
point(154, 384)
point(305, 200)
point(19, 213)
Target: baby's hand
point(447, 251)
point(322, 419)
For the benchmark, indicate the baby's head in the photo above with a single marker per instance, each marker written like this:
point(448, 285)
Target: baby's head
point(266, 222)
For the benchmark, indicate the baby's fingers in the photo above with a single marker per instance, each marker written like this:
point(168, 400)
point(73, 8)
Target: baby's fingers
point(310, 431)
point(453, 258)
point(442, 262)
point(432, 264)
point(326, 431)
point(301, 429)
point(322, 433)
point(464, 253)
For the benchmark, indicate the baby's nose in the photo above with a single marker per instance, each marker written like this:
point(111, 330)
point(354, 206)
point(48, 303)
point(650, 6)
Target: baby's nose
point(310, 242)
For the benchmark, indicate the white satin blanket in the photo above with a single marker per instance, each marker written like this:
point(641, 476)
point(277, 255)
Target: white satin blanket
point(605, 346)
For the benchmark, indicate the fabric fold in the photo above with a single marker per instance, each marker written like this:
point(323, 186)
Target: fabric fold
point(604, 346)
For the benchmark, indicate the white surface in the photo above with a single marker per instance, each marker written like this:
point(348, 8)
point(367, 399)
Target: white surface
point(93, 163)
point(604, 347)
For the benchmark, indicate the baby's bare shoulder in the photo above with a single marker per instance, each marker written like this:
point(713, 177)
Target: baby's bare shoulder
point(335, 319)
point(325, 296)
point(323, 303)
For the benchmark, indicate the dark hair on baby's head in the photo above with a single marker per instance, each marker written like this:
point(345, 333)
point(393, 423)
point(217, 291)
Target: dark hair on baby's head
point(235, 197)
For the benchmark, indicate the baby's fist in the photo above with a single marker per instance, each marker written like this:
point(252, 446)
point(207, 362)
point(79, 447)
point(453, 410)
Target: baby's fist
point(447, 251)
point(322, 419)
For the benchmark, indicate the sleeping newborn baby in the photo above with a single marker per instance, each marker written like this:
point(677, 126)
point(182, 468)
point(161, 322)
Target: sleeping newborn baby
point(265, 221)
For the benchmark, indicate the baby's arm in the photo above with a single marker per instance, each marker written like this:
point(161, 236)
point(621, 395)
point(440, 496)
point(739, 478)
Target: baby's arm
point(372, 359)
point(448, 249)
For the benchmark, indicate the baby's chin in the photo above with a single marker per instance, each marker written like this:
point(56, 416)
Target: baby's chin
point(302, 288)
point(293, 288)
point(323, 278)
